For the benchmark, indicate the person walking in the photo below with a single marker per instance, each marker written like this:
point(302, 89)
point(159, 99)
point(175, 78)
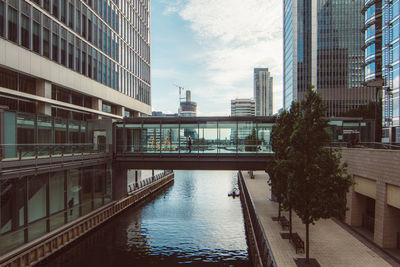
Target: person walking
point(190, 145)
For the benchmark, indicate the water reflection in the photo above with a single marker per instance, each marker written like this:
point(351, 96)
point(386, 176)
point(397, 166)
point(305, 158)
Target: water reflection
point(193, 222)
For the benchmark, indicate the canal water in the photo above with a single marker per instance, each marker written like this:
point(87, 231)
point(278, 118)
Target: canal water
point(192, 222)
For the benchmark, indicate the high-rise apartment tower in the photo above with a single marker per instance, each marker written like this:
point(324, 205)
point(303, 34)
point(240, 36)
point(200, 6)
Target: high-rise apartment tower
point(323, 47)
point(263, 85)
point(242, 107)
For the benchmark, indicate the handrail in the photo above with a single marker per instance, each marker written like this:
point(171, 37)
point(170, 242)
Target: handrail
point(132, 187)
point(373, 145)
point(261, 238)
point(23, 151)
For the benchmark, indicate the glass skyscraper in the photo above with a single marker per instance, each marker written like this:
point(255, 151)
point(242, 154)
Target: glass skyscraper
point(93, 55)
point(323, 48)
point(390, 68)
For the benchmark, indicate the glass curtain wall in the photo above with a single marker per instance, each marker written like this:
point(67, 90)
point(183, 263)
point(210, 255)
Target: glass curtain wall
point(32, 206)
point(202, 137)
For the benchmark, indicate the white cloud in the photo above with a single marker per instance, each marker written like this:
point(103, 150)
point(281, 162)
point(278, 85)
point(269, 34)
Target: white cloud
point(238, 36)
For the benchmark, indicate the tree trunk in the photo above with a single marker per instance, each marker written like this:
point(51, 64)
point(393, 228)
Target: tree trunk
point(290, 222)
point(307, 243)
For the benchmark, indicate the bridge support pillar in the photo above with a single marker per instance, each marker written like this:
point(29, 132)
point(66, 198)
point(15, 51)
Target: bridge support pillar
point(120, 181)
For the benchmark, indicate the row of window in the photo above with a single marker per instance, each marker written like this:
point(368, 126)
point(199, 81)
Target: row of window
point(83, 21)
point(54, 42)
point(91, 28)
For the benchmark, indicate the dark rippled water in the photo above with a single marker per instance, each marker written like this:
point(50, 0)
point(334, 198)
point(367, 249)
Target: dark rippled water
point(193, 222)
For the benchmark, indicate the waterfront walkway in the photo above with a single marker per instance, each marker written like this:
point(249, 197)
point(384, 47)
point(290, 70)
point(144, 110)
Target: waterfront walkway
point(330, 243)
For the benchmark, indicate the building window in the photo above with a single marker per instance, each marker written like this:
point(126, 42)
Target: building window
point(63, 11)
point(83, 63)
point(71, 16)
point(89, 66)
point(46, 5)
point(36, 37)
point(63, 52)
point(70, 56)
point(12, 24)
point(99, 69)
point(94, 65)
point(78, 21)
point(84, 26)
point(89, 30)
point(46, 39)
point(1, 18)
point(77, 60)
point(107, 108)
point(25, 31)
point(55, 8)
point(55, 47)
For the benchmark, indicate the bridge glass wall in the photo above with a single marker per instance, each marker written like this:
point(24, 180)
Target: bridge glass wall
point(34, 205)
point(211, 136)
point(27, 135)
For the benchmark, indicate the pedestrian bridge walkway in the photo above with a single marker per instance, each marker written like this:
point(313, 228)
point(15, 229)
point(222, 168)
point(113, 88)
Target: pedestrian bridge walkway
point(194, 142)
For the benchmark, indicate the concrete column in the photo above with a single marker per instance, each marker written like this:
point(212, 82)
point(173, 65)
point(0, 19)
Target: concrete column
point(121, 111)
point(380, 212)
point(43, 88)
point(387, 219)
point(119, 181)
point(97, 104)
point(356, 207)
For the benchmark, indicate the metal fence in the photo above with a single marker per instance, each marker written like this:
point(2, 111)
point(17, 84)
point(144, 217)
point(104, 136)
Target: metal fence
point(140, 184)
point(261, 239)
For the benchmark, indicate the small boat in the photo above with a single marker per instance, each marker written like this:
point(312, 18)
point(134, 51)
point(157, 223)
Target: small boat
point(235, 193)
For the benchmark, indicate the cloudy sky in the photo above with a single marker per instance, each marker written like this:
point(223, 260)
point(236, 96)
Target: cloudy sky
point(211, 48)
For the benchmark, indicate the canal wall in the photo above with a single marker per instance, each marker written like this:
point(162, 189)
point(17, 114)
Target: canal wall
point(50, 243)
point(259, 249)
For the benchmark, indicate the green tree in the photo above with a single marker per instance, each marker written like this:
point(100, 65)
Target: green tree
point(319, 180)
point(279, 169)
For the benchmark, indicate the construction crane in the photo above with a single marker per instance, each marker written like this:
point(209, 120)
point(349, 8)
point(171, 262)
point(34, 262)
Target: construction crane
point(180, 92)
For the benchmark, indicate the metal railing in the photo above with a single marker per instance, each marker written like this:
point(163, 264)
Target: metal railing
point(29, 151)
point(261, 239)
point(195, 149)
point(132, 187)
point(373, 145)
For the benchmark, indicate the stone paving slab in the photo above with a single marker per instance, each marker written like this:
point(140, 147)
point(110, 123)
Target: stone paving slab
point(330, 244)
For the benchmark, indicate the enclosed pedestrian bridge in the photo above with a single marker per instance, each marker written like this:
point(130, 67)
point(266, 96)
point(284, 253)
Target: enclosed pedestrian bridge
point(209, 143)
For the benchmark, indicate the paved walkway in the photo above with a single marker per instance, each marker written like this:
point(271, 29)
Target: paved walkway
point(330, 244)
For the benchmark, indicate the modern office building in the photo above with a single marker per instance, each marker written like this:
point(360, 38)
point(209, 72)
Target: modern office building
point(188, 108)
point(263, 85)
point(243, 107)
point(390, 65)
point(75, 59)
point(323, 47)
point(68, 68)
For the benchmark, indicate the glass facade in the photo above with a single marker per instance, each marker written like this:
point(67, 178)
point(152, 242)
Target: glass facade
point(211, 136)
point(107, 41)
point(289, 56)
point(390, 52)
point(373, 41)
point(335, 65)
point(31, 206)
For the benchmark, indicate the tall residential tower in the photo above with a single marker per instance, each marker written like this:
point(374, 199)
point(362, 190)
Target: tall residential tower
point(263, 85)
point(242, 107)
point(323, 48)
